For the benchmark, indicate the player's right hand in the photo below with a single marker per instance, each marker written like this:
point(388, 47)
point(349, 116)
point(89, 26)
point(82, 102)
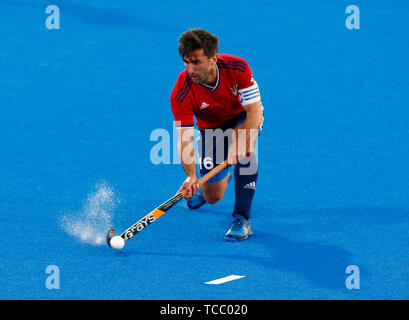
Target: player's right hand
point(190, 185)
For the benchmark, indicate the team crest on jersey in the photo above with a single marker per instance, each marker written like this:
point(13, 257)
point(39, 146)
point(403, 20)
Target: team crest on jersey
point(234, 89)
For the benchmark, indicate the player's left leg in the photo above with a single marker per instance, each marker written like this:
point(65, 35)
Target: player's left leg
point(245, 174)
point(245, 177)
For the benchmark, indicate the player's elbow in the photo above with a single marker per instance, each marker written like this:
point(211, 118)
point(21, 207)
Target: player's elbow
point(261, 118)
point(255, 113)
point(179, 148)
point(260, 113)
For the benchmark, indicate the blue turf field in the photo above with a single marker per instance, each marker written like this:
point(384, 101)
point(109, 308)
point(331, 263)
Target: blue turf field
point(78, 106)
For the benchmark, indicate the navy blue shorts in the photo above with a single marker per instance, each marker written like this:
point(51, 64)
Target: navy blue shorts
point(213, 147)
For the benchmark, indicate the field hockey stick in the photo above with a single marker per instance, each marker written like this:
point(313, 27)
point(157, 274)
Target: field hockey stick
point(159, 211)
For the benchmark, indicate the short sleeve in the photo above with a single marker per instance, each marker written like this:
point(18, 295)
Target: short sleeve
point(182, 113)
point(181, 107)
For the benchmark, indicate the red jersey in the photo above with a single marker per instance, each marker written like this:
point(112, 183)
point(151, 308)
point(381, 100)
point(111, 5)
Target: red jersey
point(213, 106)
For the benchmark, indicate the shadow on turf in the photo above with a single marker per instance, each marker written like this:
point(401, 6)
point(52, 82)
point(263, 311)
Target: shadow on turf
point(324, 265)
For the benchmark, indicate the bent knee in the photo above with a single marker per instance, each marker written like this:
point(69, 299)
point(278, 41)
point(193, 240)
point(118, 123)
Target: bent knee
point(212, 198)
point(214, 192)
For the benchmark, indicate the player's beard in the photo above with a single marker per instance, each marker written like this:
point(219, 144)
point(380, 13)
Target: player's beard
point(205, 77)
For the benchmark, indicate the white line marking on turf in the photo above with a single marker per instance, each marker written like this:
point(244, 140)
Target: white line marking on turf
point(225, 279)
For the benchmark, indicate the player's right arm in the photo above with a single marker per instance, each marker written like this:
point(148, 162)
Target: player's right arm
point(183, 113)
point(187, 158)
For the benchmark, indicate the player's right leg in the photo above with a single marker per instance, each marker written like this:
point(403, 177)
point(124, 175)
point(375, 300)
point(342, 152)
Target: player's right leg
point(212, 149)
point(213, 192)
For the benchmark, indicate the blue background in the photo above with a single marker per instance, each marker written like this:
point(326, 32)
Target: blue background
point(78, 105)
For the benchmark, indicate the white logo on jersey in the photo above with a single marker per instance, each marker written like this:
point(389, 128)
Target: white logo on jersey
point(204, 105)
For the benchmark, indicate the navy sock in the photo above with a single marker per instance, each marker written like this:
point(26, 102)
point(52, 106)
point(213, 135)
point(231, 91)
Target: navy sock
point(245, 179)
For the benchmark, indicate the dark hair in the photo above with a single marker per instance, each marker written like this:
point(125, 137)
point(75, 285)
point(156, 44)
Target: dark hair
point(194, 39)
